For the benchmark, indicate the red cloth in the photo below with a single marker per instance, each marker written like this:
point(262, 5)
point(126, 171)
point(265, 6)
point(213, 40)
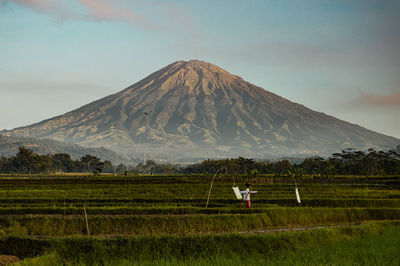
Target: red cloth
point(248, 205)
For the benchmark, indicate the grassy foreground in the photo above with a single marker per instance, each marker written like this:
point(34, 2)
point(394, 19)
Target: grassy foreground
point(372, 243)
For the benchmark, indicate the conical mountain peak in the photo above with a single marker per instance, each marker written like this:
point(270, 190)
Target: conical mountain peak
point(194, 108)
point(198, 65)
point(191, 68)
point(192, 77)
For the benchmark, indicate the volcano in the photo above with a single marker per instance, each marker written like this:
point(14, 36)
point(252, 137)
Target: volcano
point(197, 109)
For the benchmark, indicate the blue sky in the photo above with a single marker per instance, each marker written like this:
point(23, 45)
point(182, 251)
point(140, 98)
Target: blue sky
point(337, 57)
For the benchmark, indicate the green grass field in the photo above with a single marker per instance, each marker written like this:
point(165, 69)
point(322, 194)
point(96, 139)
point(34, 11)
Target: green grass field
point(142, 219)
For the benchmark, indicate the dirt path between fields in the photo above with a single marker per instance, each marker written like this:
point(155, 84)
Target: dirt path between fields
point(8, 259)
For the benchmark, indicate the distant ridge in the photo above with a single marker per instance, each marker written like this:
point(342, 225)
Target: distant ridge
point(193, 109)
point(9, 146)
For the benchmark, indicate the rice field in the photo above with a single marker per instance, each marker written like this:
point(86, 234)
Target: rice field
point(43, 217)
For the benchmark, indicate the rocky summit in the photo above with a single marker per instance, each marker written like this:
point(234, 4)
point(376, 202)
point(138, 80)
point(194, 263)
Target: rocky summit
point(197, 109)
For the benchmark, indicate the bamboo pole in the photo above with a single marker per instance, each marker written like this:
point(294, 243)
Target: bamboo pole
point(212, 182)
point(86, 219)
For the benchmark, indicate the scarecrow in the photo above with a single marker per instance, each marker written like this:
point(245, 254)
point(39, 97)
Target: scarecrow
point(246, 195)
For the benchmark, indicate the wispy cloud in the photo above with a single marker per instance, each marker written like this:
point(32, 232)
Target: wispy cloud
point(53, 7)
point(378, 100)
point(108, 11)
point(93, 10)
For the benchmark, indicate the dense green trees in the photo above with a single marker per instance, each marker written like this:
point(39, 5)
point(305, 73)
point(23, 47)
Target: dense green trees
point(28, 162)
point(373, 162)
point(348, 162)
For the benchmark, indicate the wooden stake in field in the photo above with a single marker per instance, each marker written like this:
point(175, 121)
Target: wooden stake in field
point(86, 219)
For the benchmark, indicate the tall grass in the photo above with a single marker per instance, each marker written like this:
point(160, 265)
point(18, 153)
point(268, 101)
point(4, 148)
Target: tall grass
point(374, 250)
point(292, 248)
point(57, 225)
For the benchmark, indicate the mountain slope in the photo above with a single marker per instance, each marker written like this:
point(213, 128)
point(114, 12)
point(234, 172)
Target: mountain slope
point(198, 109)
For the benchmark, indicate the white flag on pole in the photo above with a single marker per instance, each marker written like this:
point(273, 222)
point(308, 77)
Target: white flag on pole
point(237, 192)
point(297, 195)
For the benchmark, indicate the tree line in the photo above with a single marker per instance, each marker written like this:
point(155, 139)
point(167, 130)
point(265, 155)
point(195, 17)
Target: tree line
point(347, 162)
point(29, 162)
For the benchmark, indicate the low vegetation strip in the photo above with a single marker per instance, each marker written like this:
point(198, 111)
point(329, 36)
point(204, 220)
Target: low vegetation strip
point(60, 225)
point(115, 208)
point(322, 202)
point(109, 251)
